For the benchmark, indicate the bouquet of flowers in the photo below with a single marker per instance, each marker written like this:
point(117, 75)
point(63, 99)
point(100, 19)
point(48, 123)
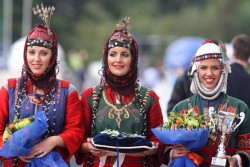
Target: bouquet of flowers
point(16, 125)
point(188, 129)
point(20, 136)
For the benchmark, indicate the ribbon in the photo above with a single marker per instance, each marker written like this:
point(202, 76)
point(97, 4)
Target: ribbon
point(197, 159)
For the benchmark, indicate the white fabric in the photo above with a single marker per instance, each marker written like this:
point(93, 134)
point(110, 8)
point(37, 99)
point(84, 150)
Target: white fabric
point(121, 159)
point(237, 156)
point(208, 48)
point(102, 161)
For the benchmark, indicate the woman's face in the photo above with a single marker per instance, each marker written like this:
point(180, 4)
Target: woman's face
point(119, 60)
point(209, 72)
point(38, 58)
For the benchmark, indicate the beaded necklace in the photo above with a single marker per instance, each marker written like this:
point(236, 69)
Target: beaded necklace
point(47, 101)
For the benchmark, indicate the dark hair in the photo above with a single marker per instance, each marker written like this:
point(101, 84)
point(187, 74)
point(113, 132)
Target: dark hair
point(241, 46)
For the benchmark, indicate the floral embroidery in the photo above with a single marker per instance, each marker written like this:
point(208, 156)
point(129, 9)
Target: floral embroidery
point(183, 112)
point(113, 112)
point(243, 141)
point(229, 108)
point(35, 100)
point(195, 110)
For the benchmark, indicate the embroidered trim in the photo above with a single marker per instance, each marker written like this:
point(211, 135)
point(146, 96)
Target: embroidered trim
point(243, 141)
point(59, 93)
point(145, 99)
point(118, 111)
point(16, 91)
point(105, 97)
point(208, 56)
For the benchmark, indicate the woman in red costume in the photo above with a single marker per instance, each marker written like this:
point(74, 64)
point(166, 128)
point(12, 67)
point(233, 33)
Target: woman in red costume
point(120, 103)
point(38, 90)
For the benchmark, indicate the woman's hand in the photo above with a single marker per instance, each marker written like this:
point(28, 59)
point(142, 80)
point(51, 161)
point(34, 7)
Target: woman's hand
point(41, 149)
point(25, 159)
point(95, 151)
point(233, 162)
point(145, 153)
point(179, 150)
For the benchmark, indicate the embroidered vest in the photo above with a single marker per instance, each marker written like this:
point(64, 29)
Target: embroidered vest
point(124, 118)
point(56, 107)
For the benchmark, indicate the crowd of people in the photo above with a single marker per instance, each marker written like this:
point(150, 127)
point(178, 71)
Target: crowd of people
point(121, 105)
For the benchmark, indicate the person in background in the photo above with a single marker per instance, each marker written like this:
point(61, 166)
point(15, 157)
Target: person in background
point(78, 63)
point(184, 48)
point(209, 70)
point(239, 79)
point(39, 90)
point(180, 91)
point(120, 103)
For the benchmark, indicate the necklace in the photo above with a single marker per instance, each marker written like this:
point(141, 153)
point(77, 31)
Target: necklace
point(46, 101)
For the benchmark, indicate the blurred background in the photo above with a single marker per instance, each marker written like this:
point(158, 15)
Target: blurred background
point(168, 33)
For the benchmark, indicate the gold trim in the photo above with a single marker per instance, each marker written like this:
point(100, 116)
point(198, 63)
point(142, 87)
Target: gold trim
point(105, 97)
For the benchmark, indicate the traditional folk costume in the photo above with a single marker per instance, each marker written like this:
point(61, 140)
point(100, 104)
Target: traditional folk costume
point(60, 100)
point(237, 143)
point(135, 110)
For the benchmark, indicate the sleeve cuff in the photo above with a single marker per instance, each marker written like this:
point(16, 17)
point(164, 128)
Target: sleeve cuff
point(237, 156)
point(167, 158)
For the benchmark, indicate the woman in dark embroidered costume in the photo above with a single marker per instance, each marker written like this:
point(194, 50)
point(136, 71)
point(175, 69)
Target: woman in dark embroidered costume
point(120, 103)
point(209, 70)
point(39, 90)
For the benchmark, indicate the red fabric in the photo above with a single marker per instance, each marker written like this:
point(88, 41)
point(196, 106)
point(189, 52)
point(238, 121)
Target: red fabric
point(65, 84)
point(39, 32)
point(8, 163)
point(87, 115)
point(243, 141)
point(72, 133)
point(154, 120)
point(208, 152)
point(4, 114)
point(129, 161)
point(12, 82)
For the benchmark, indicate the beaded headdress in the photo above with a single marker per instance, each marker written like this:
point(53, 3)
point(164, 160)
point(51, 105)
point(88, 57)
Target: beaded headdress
point(42, 35)
point(209, 50)
point(121, 37)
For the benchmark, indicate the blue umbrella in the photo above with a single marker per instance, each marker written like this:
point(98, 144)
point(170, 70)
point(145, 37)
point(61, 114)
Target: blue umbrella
point(180, 52)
